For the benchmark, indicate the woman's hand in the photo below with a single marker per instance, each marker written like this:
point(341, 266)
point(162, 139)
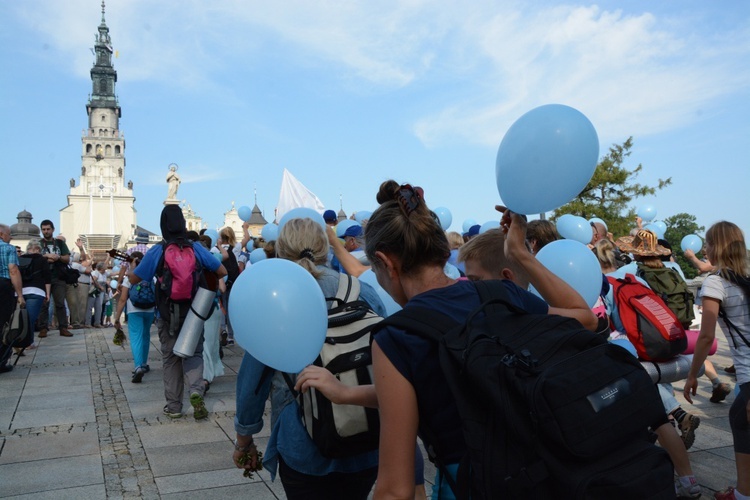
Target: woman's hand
point(322, 380)
point(514, 228)
point(691, 385)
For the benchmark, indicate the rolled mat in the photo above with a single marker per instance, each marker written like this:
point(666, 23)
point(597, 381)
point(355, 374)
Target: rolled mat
point(192, 328)
point(692, 338)
point(666, 372)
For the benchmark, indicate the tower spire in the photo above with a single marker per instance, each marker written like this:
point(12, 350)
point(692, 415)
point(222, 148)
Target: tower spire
point(102, 11)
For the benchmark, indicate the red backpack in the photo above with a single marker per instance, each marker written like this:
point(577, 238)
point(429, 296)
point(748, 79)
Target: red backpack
point(178, 272)
point(650, 325)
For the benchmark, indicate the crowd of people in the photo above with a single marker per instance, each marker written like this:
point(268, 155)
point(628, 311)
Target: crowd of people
point(418, 265)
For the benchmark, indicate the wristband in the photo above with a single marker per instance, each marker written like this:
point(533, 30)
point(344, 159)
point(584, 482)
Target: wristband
point(243, 449)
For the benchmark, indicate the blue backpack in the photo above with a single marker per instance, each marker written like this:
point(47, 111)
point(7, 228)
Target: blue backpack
point(143, 295)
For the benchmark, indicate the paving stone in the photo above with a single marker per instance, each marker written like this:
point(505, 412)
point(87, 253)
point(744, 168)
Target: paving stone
point(185, 459)
point(55, 416)
point(25, 477)
point(92, 492)
point(19, 449)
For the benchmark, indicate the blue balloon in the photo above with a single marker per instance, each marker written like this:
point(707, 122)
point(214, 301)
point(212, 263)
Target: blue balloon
point(302, 213)
point(657, 227)
point(546, 159)
point(576, 264)
point(279, 314)
point(116, 270)
point(444, 216)
point(573, 227)
point(270, 232)
point(601, 221)
point(362, 216)
point(343, 226)
point(213, 234)
point(390, 305)
point(113, 284)
point(245, 213)
point(492, 224)
point(662, 227)
point(467, 225)
point(646, 212)
point(692, 242)
point(257, 255)
point(625, 344)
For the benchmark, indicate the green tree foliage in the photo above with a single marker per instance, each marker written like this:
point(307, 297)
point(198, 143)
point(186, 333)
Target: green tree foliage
point(679, 226)
point(610, 191)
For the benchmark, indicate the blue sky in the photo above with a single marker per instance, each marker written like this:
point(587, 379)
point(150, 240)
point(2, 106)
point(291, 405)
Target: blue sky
point(348, 94)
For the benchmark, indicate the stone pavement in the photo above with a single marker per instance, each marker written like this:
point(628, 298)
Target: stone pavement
point(72, 425)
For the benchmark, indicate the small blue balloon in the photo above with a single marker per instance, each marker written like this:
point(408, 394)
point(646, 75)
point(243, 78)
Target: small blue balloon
point(362, 216)
point(390, 305)
point(270, 232)
point(113, 284)
point(691, 242)
point(257, 255)
point(625, 344)
point(116, 270)
point(575, 264)
point(467, 225)
point(279, 314)
point(546, 159)
point(492, 224)
point(656, 228)
point(601, 221)
point(444, 216)
point(573, 227)
point(302, 213)
point(646, 212)
point(343, 226)
point(245, 213)
point(213, 234)
point(662, 227)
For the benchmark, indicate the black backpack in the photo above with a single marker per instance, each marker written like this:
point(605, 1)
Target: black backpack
point(26, 268)
point(548, 408)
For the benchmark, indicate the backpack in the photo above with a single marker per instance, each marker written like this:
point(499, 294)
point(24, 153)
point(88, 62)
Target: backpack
point(548, 408)
point(341, 431)
point(744, 283)
point(179, 274)
point(143, 294)
point(233, 269)
point(26, 268)
point(17, 326)
point(667, 283)
point(69, 275)
point(650, 325)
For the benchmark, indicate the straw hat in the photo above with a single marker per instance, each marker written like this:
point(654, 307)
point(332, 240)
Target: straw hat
point(644, 243)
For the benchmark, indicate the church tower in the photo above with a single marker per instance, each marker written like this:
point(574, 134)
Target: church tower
point(101, 205)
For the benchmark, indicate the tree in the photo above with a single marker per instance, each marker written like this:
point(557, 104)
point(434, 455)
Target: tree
point(610, 191)
point(679, 226)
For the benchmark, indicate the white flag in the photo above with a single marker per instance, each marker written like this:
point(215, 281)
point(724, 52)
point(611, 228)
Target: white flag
point(294, 195)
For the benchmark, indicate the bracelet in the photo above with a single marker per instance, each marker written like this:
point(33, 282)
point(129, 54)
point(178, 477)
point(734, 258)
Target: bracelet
point(243, 449)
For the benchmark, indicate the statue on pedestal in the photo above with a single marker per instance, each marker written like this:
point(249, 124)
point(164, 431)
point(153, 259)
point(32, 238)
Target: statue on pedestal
point(173, 180)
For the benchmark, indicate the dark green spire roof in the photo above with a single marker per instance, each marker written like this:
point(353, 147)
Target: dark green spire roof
point(103, 74)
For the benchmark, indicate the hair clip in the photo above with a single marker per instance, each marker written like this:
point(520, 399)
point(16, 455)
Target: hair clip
point(307, 253)
point(408, 198)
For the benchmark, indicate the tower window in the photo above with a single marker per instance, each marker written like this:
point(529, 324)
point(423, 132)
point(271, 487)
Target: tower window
point(108, 150)
point(104, 118)
point(88, 148)
point(117, 150)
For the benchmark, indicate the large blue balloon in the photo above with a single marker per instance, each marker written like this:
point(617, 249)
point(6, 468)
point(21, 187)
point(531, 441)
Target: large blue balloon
point(390, 305)
point(302, 213)
point(658, 228)
point(270, 232)
point(343, 226)
point(692, 242)
point(245, 213)
point(646, 212)
point(573, 227)
point(575, 264)
point(491, 224)
point(213, 234)
point(601, 221)
point(444, 216)
point(546, 159)
point(467, 225)
point(362, 216)
point(279, 314)
point(257, 255)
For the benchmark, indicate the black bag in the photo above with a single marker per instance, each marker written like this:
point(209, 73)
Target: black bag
point(548, 408)
point(68, 274)
point(341, 431)
point(17, 326)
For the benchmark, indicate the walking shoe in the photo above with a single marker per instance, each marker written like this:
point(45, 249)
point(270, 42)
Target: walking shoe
point(730, 369)
point(65, 333)
point(172, 414)
point(6, 368)
point(223, 339)
point(199, 408)
point(687, 487)
point(727, 494)
point(687, 429)
point(720, 392)
point(138, 375)
point(42, 333)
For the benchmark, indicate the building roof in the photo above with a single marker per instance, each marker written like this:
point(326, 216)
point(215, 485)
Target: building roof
point(257, 217)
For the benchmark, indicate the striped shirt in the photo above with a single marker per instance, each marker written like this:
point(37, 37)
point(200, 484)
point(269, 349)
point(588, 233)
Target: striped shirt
point(8, 256)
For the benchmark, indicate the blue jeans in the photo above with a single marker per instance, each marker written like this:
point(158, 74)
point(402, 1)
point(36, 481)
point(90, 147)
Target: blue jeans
point(34, 304)
point(139, 329)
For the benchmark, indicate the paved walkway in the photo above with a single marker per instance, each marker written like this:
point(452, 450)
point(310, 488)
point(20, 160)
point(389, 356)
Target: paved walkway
point(72, 425)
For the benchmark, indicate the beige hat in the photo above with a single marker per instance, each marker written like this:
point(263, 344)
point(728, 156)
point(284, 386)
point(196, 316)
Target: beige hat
point(644, 243)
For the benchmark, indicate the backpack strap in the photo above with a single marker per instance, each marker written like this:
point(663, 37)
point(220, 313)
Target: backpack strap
point(426, 323)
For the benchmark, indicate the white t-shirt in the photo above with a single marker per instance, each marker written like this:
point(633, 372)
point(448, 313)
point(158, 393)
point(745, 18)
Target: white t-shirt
point(131, 307)
point(735, 305)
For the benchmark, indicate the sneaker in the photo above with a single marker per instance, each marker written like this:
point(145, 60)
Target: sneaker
point(146, 368)
point(138, 375)
point(42, 333)
point(720, 392)
point(223, 339)
point(65, 333)
point(199, 408)
point(727, 494)
point(730, 369)
point(687, 429)
point(172, 414)
point(230, 341)
point(687, 487)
